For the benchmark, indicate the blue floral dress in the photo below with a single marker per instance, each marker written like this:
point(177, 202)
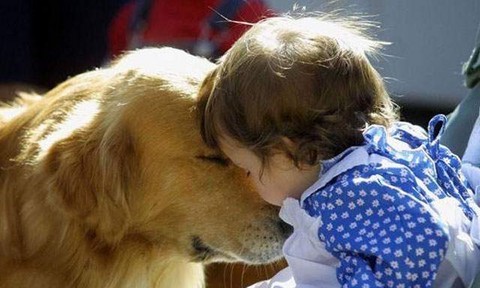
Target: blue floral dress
point(394, 212)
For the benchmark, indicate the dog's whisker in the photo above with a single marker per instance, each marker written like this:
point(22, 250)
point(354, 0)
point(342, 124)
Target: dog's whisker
point(225, 275)
point(231, 275)
point(244, 269)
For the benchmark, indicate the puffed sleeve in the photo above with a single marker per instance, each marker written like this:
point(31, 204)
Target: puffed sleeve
point(384, 234)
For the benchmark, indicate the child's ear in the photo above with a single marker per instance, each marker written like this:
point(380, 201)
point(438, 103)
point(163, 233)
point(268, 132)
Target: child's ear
point(290, 147)
point(294, 148)
point(89, 174)
point(289, 143)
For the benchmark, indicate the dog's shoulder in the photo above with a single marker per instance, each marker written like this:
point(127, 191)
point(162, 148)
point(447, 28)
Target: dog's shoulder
point(9, 110)
point(171, 67)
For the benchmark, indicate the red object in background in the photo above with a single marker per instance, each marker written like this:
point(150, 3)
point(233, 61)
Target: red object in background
point(184, 24)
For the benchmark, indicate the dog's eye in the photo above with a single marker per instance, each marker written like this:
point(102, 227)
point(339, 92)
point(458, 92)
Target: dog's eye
point(216, 159)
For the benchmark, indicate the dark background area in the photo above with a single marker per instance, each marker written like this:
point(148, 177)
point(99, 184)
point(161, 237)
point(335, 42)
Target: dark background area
point(45, 42)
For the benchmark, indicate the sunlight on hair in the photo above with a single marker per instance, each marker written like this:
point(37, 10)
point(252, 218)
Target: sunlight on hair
point(171, 68)
point(348, 36)
point(269, 41)
point(9, 113)
point(81, 115)
point(277, 33)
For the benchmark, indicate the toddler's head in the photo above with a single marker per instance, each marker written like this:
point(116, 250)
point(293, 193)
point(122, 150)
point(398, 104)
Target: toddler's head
point(301, 87)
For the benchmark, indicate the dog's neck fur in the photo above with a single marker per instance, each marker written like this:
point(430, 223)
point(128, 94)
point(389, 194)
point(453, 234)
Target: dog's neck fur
point(65, 246)
point(68, 249)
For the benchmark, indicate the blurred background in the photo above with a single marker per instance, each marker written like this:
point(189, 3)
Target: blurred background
point(45, 42)
point(430, 41)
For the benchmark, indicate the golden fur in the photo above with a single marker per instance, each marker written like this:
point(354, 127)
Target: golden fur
point(105, 182)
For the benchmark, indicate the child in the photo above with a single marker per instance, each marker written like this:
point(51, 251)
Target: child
point(374, 202)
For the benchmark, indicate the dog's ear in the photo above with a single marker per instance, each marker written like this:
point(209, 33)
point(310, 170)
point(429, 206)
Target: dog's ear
point(89, 174)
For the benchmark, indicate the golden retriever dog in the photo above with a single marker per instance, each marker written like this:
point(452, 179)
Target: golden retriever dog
point(105, 182)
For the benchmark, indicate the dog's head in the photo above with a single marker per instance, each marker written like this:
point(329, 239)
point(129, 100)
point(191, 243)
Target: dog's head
point(133, 164)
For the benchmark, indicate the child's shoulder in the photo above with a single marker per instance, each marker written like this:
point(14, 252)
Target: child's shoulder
point(398, 136)
point(399, 161)
point(400, 157)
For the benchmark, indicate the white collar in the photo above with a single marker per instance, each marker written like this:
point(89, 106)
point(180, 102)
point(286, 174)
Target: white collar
point(292, 213)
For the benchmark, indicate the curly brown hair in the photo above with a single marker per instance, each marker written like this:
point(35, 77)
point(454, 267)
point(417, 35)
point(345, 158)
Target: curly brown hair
point(307, 79)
